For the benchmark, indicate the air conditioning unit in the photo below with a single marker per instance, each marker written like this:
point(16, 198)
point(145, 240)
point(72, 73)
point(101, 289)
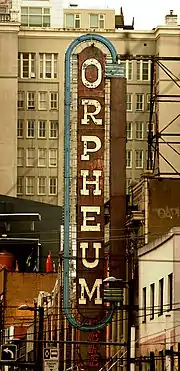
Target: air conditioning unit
point(33, 74)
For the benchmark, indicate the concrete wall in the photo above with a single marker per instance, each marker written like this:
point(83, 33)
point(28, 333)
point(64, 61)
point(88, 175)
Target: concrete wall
point(8, 108)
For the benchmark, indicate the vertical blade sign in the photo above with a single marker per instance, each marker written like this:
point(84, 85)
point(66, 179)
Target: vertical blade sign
point(90, 185)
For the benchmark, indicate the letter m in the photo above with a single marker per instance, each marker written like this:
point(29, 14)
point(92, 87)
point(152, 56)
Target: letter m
point(84, 286)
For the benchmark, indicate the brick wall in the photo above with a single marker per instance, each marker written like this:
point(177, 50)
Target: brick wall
point(23, 288)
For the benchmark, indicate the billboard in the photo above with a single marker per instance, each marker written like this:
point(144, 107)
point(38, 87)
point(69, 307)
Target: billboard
point(90, 185)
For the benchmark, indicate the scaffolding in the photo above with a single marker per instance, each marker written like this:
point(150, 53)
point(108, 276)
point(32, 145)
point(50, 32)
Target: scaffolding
point(164, 135)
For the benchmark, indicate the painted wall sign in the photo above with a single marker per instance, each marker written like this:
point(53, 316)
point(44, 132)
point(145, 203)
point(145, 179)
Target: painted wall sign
point(90, 185)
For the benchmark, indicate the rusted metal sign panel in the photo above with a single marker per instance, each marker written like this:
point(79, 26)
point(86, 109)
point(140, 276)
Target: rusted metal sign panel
point(90, 185)
point(118, 178)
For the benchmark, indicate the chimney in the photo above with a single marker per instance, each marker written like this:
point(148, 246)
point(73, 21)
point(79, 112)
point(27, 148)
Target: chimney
point(171, 19)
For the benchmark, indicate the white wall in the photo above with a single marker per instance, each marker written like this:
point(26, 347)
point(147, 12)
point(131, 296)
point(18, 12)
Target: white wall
point(158, 262)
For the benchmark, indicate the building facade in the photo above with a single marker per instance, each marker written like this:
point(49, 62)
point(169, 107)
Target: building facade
point(32, 94)
point(159, 296)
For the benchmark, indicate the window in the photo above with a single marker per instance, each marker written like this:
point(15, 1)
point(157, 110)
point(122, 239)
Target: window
point(128, 159)
point(35, 17)
point(30, 129)
point(53, 129)
point(72, 20)
point(170, 291)
point(127, 65)
point(20, 156)
point(143, 70)
point(139, 159)
point(128, 185)
point(139, 102)
point(139, 130)
point(20, 99)
point(41, 185)
point(26, 65)
point(161, 296)
point(42, 100)
point(20, 129)
point(42, 129)
point(129, 102)
point(31, 100)
point(30, 156)
point(152, 299)
point(30, 181)
point(20, 185)
point(48, 66)
point(144, 304)
point(53, 101)
point(97, 21)
point(101, 21)
point(129, 130)
point(42, 155)
point(148, 101)
point(53, 158)
point(53, 186)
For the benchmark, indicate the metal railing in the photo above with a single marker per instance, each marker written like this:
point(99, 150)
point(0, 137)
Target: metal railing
point(5, 18)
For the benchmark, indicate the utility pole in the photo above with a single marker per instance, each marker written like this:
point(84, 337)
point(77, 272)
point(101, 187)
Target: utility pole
point(40, 340)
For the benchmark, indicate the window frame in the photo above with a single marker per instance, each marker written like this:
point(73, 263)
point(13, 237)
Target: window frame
point(43, 14)
point(129, 131)
point(140, 103)
point(42, 101)
point(128, 71)
point(30, 159)
point(139, 133)
point(139, 70)
point(51, 178)
point(32, 100)
point(20, 129)
point(130, 102)
point(53, 103)
point(99, 19)
point(21, 108)
point(28, 129)
point(33, 186)
point(42, 130)
point(130, 151)
point(76, 17)
point(53, 130)
point(170, 292)
point(51, 158)
point(144, 304)
point(44, 158)
point(21, 158)
point(31, 65)
point(43, 65)
point(38, 186)
point(142, 164)
point(152, 300)
point(20, 185)
point(161, 297)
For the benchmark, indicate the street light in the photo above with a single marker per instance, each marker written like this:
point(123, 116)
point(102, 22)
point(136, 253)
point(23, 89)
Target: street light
point(35, 309)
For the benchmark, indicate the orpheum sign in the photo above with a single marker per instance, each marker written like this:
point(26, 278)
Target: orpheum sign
point(90, 185)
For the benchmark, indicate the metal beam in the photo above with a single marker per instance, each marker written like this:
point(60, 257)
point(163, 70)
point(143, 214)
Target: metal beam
point(146, 58)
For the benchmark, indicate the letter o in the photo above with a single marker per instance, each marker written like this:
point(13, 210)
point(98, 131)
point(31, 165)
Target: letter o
point(97, 64)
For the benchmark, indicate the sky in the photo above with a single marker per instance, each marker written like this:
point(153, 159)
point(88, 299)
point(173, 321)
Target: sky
point(147, 13)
